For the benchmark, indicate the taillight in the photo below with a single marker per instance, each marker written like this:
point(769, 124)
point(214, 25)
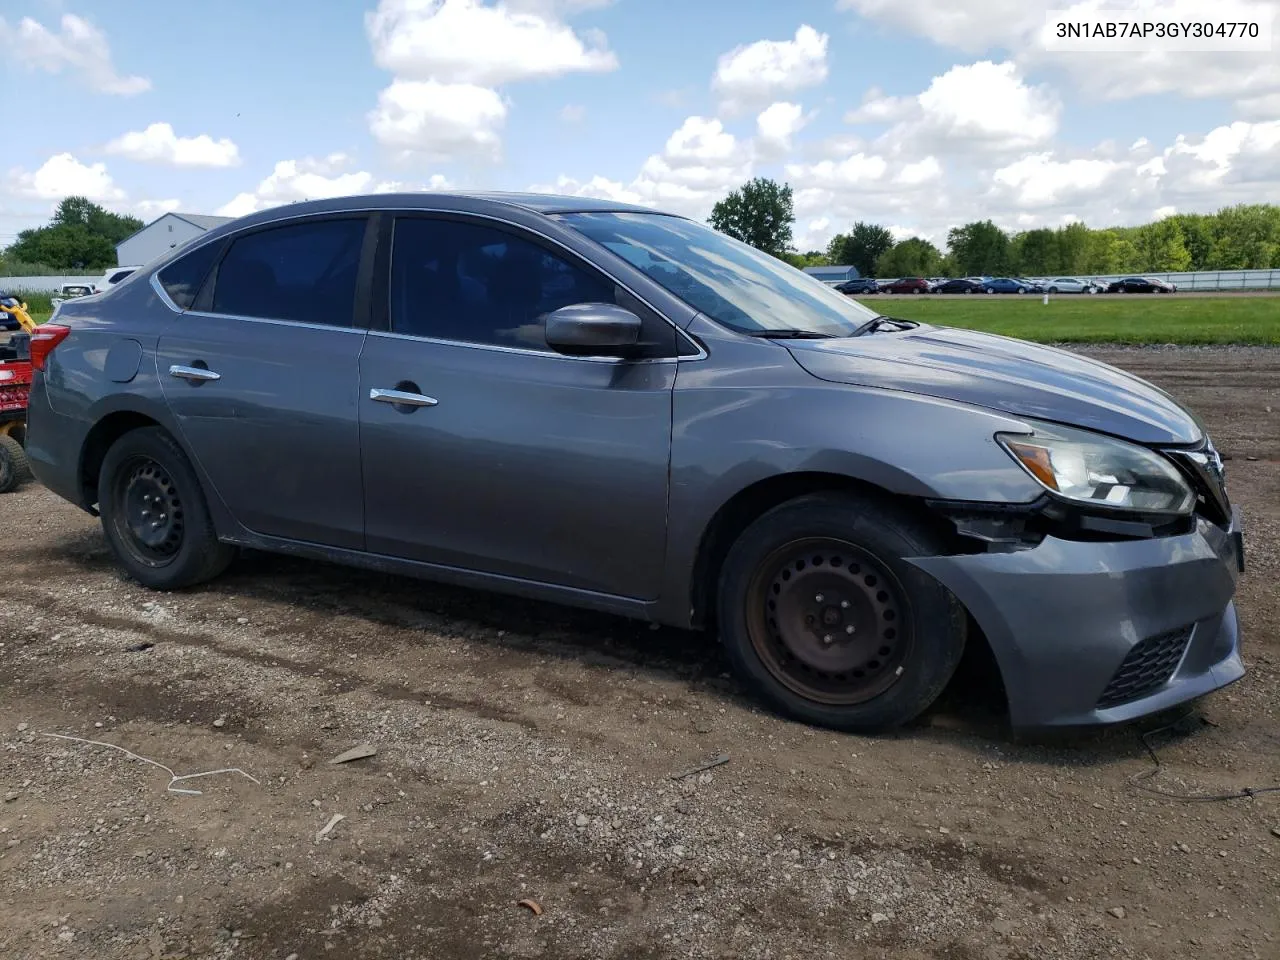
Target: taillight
point(43, 339)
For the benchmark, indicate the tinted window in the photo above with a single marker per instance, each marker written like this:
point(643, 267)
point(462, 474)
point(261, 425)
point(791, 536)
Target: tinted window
point(117, 277)
point(305, 272)
point(463, 281)
point(182, 278)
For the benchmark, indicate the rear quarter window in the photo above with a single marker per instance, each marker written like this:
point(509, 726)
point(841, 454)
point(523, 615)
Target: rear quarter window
point(183, 278)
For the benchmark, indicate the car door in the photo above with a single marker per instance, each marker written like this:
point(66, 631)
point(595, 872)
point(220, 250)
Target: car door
point(262, 377)
point(510, 458)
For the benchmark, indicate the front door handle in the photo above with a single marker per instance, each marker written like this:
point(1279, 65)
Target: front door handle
point(402, 397)
point(194, 374)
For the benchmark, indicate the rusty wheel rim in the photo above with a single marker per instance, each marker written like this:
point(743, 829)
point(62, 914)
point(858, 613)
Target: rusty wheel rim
point(829, 621)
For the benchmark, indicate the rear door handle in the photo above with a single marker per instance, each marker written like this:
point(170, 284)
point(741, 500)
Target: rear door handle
point(194, 374)
point(402, 397)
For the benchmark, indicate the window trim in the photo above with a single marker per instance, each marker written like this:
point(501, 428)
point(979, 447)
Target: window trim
point(201, 306)
point(380, 324)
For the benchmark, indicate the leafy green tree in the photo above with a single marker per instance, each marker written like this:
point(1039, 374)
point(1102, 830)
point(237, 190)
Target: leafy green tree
point(1073, 248)
point(760, 213)
point(1160, 248)
point(979, 249)
point(913, 257)
point(81, 236)
point(1035, 253)
point(1197, 236)
point(861, 247)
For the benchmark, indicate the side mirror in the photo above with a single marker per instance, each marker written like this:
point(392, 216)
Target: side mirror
point(592, 329)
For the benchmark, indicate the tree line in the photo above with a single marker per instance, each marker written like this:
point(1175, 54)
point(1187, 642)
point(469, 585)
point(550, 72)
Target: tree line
point(81, 236)
point(1242, 237)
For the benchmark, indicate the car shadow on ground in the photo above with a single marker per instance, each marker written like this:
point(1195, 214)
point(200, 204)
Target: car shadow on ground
point(970, 714)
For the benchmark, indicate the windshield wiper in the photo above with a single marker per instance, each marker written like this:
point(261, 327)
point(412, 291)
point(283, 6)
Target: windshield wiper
point(782, 334)
point(875, 323)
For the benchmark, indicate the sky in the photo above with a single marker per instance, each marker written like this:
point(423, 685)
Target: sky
point(917, 114)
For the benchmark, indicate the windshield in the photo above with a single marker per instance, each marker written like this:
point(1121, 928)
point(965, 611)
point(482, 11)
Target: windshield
point(731, 282)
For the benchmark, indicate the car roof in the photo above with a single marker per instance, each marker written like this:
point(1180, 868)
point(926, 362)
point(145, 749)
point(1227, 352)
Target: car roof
point(480, 202)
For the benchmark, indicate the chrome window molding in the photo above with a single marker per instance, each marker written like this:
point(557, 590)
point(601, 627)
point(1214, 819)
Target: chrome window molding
point(427, 212)
point(530, 351)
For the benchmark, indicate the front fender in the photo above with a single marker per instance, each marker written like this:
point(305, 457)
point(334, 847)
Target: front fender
point(750, 413)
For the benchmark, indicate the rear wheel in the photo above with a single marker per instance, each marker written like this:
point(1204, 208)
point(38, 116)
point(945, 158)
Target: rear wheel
point(14, 468)
point(821, 615)
point(154, 513)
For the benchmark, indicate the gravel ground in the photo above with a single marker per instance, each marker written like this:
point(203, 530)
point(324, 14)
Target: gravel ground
point(528, 752)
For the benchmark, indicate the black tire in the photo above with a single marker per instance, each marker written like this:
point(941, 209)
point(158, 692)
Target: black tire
point(182, 549)
point(910, 631)
point(15, 470)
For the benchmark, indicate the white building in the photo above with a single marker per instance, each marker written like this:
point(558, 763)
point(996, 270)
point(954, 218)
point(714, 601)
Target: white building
point(163, 234)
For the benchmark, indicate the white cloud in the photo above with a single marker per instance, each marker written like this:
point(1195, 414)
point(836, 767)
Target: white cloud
point(1016, 26)
point(77, 46)
point(856, 170)
point(148, 210)
point(159, 144)
point(599, 188)
point(754, 74)
point(1037, 180)
point(439, 121)
point(313, 178)
point(922, 171)
point(777, 125)
point(698, 165)
point(987, 103)
point(465, 41)
point(63, 175)
point(573, 113)
point(878, 108)
point(450, 56)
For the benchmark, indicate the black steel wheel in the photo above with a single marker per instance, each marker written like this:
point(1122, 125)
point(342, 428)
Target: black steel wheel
point(823, 617)
point(154, 513)
point(829, 620)
point(151, 507)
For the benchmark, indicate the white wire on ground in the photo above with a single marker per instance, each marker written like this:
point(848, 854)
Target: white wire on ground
point(175, 777)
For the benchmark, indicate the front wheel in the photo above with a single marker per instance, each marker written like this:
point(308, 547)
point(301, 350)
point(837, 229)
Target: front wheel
point(824, 619)
point(154, 513)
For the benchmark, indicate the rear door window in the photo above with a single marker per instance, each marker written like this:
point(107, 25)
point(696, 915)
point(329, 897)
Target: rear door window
point(302, 272)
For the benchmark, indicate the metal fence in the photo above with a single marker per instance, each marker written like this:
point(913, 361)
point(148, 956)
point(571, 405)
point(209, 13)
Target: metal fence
point(43, 284)
point(1211, 279)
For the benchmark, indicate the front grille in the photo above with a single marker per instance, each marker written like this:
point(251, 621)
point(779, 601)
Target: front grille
point(1148, 666)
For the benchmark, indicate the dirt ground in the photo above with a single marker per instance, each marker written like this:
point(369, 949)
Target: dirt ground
point(526, 751)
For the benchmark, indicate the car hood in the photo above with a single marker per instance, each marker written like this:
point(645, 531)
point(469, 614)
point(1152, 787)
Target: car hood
point(1012, 376)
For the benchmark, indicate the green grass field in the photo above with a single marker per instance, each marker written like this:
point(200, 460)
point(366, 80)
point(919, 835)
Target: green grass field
point(1109, 319)
point(1079, 319)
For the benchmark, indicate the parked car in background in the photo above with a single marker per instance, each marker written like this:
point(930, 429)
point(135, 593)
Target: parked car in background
point(1141, 285)
point(958, 286)
point(70, 291)
point(859, 285)
point(603, 405)
point(1072, 285)
point(111, 278)
point(1008, 285)
point(907, 285)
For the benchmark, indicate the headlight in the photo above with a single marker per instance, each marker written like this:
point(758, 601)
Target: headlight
point(1089, 468)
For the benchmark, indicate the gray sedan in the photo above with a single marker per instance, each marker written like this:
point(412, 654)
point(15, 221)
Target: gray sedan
point(603, 405)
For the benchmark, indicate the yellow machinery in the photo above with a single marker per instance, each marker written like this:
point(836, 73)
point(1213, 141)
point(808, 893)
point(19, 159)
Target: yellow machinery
point(15, 386)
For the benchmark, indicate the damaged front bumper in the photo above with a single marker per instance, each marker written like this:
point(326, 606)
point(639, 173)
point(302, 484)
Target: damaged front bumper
point(1089, 633)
